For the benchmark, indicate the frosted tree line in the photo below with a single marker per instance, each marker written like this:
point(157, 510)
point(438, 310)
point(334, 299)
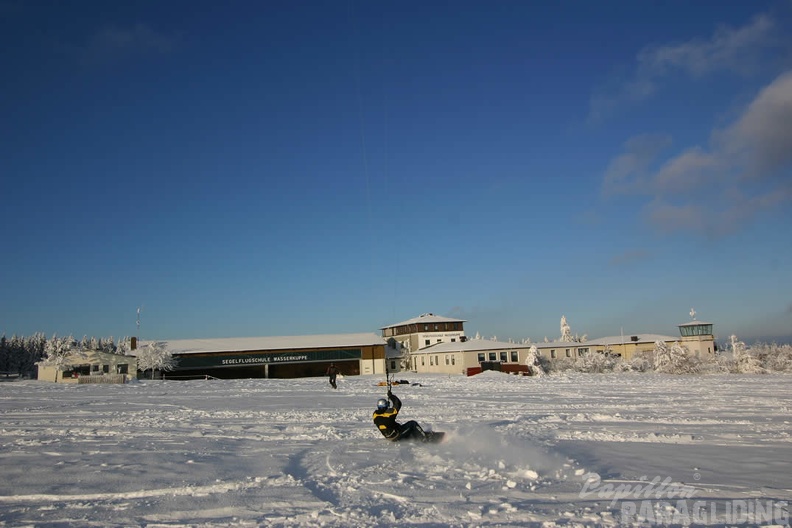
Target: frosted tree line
point(19, 355)
point(738, 358)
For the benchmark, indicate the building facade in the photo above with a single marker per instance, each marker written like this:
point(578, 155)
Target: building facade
point(276, 357)
point(90, 366)
point(469, 356)
point(428, 345)
point(423, 331)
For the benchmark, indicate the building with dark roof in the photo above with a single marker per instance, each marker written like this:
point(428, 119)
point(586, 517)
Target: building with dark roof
point(276, 357)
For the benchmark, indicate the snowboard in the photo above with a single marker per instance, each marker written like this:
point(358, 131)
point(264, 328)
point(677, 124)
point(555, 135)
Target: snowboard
point(433, 437)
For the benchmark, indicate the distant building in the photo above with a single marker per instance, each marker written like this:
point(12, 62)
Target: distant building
point(427, 345)
point(90, 366)
point(425, 330)
point(696, 336)
point(435, 344)
point(276, 357)
point(470, 356)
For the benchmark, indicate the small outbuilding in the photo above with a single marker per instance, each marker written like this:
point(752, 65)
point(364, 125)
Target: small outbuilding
point(90, 366)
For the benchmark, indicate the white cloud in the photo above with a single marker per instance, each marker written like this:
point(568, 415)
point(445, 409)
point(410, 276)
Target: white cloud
point(629, 172)
point(733, 50)
point(747, 168)
point(687, 172)
point(738, 51)
point(762, 137)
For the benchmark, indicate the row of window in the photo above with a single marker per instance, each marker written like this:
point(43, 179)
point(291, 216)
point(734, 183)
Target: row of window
point(504, 357)
point(412, 329)
point(494, 356)
point(427, 342)
point(568, 352)
point(93, 370)
point(696, 330)
point(435, 360)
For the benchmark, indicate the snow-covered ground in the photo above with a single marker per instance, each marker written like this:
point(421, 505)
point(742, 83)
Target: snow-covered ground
point(561, 450)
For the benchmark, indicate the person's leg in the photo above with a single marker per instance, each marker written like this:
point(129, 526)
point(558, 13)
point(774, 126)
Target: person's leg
point(410, 429)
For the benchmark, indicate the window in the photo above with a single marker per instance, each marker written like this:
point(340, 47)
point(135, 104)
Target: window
point(481, 357)
point(393, 365)
point(493, 356)
point(426, 328)
point(423, 361)
point(426, 343)
point(439, 340)
point(123, 368)
point(583, 351)
point(514, 356)
point(503, 357)
point(453, 339)
point(453, 360)
point(106, 369)
point(568, 354)
point(431, 361)
point(552, 354)
point(437, 328)
point(448, 360)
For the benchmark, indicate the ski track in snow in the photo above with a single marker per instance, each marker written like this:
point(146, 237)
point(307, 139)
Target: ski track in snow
point(293, 453)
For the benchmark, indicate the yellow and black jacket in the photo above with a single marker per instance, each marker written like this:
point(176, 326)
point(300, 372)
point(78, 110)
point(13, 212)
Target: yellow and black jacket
point(385, 420)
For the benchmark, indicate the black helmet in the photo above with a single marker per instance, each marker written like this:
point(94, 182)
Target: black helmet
point(382, 404)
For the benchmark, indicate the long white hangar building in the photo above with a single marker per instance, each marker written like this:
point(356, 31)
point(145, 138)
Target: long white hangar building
point(276, 357)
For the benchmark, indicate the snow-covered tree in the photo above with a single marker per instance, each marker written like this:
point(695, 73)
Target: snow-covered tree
point(56, 351)
point(533, 361)
point(773, 357)
point(123, 347)
point(33, 353)
point(16, 352)
point(744, 361)
point(155, 356)
point(566, 331)
point(5, 355)
point(596, 362)
point(107, 345)
point(675, 359)
point(642, 361)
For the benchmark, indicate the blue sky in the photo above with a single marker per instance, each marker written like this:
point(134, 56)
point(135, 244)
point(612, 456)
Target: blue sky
point(286, 168)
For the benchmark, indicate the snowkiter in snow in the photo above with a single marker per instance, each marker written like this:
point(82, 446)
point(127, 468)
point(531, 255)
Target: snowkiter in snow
point(385, 420)
point(332, 372)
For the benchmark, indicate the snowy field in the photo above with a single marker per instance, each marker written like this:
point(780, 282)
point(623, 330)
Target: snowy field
point(566, 450)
